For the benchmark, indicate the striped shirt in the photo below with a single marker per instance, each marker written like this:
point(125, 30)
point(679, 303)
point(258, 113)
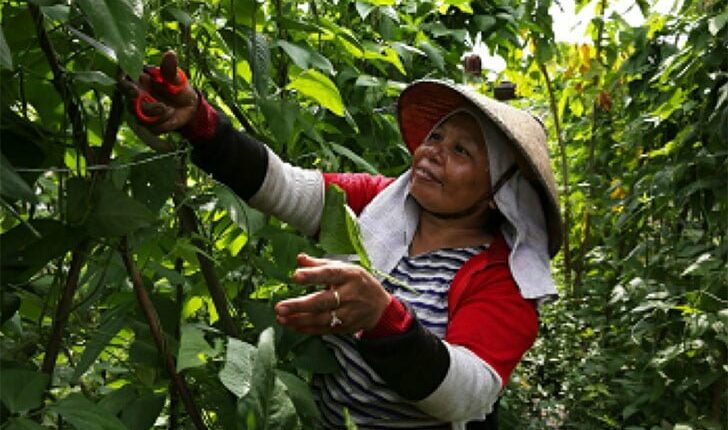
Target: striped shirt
point(370, 403)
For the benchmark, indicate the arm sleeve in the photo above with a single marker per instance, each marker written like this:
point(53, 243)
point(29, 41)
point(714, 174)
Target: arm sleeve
point(253, 171)
point(360, 188)
point(459, 379)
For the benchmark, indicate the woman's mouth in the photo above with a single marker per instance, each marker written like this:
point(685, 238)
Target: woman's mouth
point(426, 175)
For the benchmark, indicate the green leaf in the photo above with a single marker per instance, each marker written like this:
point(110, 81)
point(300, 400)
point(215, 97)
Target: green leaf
point(364, 9)
point(22, 424)
point(153, 182)
point(179, 15)
point(267, 403)
point(312, 355)
point(114, 213)
point(6, 58)
point(716, 23)
point(300, 393)
point(143, 411)
point(83, 414)
point(111, 322)
point(116, 401)
point(193, 348)
point(238, 369)
point(23, 254)
point(334, 232)
point(434, 53)
point(339, 233)
point(247, 218)
point(119, 24)
point(317, 86)
point(94, 77)
point(22, 390)
point(12, 185)
point(351, 155)
point(306, 57)
point(352, 228)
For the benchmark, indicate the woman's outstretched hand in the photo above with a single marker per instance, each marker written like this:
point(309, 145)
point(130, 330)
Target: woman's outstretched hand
point(354, 300)
point(162, 99)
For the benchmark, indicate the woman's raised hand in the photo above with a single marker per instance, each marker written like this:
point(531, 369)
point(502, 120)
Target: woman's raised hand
point(353, 301)
point(162, 99)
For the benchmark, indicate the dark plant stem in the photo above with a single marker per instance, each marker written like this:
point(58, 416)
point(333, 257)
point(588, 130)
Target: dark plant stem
point(64, 308)
point(586, 238)
point(188, 222)
point(564, 175)
point(150, 313)
point(173, 396)
point(61, 84)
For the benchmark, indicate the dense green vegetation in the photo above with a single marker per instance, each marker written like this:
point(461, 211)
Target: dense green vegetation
point(136, 292)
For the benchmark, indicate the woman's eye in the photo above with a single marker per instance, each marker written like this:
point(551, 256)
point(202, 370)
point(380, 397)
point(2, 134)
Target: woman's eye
point(460, 149)
point(435, 136)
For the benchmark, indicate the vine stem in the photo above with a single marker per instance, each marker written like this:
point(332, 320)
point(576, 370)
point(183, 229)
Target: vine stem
point(63, 309)
point(60, 83)
point(564, 173)
point(586, 238)
point(150, 313)
point(188, 224)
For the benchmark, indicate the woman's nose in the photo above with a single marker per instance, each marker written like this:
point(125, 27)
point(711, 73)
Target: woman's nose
point(436, 152)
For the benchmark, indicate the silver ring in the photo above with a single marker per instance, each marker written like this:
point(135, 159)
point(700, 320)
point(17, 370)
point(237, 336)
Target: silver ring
point(335, 321)
point(338, 299)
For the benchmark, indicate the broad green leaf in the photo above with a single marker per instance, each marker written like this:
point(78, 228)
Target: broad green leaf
point(23, 254)
point(111, 322)
point(334, 232)
point(12, 185)
point(259, 58)
point(193, 348)
point(317, 86)
point(94, 77)
point(119, 24)
point(115, 213)
point(434, 53)
point(154, 181)
point(142, 413)
point(312, 355)
point(339, 233)
point(247, 218)
point(305, 57)
point(716, 23)
point(238, 369)
point(352, 228)
point(22, 424)
point(179, 15)
point(83, 414)
point(300, 393)
point(117, 400)
point(22, 390)
point(351, 155)
point(58, 12)
point(364, 9)
point(6, 58)
point(267, 402)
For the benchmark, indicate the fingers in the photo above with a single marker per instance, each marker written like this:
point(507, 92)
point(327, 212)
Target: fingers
point(322, 301)
point(306, 260)
point(169, 67)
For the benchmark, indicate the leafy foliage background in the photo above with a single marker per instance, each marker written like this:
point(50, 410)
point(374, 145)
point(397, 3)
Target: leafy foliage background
point(137, 293)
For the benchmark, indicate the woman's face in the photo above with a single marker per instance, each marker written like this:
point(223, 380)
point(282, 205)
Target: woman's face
point(450, 173)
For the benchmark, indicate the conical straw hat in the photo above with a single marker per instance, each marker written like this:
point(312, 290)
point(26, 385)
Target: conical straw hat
point(424, 103)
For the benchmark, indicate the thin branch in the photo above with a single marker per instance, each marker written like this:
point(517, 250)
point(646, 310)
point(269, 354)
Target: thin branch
point(586, 238)
point(188, 223)
point(564, 173)
point(63, 309)
point(60, 82)
point(150, 313)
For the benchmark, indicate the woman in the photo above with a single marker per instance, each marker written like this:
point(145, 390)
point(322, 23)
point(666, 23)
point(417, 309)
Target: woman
point(470, 228)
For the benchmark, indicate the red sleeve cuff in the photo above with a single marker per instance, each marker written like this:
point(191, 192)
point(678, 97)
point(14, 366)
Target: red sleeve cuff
point(202, 127)
point(395, 319)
